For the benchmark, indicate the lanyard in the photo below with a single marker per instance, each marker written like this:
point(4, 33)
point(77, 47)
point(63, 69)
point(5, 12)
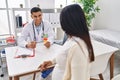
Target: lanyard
point(42, 25)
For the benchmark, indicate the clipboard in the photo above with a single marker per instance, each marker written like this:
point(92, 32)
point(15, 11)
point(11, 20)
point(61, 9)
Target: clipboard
point(24, 53)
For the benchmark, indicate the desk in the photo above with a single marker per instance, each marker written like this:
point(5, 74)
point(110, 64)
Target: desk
point(20, 66)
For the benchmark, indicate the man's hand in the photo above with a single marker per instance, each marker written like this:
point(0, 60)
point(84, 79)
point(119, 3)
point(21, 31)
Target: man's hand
point(31, 45)
point(47, 44)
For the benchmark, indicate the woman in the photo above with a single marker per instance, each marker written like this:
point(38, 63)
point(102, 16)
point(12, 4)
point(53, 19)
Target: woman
point(73, 63)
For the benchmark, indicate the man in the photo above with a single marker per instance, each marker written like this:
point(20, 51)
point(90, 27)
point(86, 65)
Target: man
point(36, 31)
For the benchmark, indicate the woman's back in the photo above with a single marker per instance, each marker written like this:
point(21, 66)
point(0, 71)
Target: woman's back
point(77, 67)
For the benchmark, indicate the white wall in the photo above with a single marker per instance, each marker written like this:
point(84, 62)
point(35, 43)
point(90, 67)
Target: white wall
point(109, 16)
point(15, 3)
point(43, 3)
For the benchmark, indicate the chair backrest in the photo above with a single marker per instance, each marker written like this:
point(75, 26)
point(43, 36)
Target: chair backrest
point(2, 53)
point(65, 38)
point(61, 42)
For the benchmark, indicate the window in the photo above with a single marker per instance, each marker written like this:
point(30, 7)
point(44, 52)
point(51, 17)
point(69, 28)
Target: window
point(2, 4)
point(4, 29)
point(4, 24)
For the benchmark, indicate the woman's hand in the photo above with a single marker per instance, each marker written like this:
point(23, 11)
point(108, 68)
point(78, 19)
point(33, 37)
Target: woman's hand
point(45, 65)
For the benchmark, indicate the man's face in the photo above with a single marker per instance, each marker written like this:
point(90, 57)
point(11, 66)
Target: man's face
point(37, 17)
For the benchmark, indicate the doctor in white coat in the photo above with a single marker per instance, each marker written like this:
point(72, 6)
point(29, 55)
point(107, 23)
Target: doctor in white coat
point(36, 31)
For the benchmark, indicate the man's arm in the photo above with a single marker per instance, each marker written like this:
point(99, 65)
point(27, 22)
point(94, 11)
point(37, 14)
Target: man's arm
point(22, 39)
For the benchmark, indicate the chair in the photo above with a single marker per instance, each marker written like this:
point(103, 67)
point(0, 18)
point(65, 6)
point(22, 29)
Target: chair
point(61, 42)
point(2, 56)
point(6, 40)
point(65, 38)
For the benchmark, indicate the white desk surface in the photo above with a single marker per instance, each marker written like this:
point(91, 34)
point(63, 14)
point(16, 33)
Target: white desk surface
point(19, 65)
point(100, 48)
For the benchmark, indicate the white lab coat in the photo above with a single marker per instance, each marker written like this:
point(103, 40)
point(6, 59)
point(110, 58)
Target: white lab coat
point(27, 34)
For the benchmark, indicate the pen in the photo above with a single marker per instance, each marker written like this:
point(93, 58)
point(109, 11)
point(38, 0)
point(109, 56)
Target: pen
point(50, 66)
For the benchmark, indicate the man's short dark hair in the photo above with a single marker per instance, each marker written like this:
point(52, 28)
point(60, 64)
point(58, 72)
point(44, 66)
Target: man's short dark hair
point(35, 9)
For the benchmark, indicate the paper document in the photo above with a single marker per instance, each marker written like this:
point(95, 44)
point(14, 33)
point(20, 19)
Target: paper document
point(24, 52)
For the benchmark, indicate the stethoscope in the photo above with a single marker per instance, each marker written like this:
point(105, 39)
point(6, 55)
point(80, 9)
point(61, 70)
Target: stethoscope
point(42, 25)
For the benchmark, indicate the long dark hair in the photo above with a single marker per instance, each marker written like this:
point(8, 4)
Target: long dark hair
point(73, 22)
